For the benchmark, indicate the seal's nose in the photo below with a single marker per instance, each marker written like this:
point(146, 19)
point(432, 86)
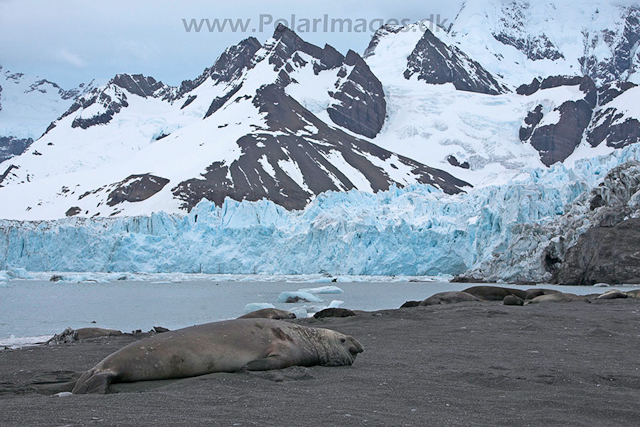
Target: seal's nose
point(356, 347)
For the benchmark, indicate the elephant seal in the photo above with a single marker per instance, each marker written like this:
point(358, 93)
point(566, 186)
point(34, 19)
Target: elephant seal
point(334, 312)
point(228, 346)
point(532, 293)
point(559, 297)
point(269, 313)
point(512, 300)
point(448, 298)
point(633, 294)
point(410, 304)
point(612, 294)
point(494, 293)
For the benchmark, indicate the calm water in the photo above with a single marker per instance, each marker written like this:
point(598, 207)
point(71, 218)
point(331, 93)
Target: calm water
point(34, 308)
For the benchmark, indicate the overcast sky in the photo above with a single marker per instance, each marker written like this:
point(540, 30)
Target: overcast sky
point(74, 41)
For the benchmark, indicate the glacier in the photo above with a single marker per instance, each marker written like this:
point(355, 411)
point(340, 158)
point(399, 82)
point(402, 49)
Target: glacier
point(412, 231)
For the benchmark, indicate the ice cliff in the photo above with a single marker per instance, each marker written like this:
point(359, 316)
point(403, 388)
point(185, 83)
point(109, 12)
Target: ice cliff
point(500, 231)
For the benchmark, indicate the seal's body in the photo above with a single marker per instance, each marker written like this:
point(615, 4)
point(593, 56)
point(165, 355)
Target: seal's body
point(229, 346)
point(269, 313)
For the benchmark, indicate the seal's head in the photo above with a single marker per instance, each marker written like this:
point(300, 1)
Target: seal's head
point(339, 349)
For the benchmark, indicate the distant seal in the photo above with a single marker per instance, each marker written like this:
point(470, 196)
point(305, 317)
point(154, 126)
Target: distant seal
point(633, 294)
point(612, 294)
point(84, 333)
point(512, 300)
point(532, 293)
point(269, 313)
point(70, 335)
point(410, 304)
point(494, 293)
point(228, 346)
point(334, 312)
point(559, 297)
point(448, 298)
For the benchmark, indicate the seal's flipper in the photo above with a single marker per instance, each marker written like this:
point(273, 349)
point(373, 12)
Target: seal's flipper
point(93, 382)
point(268, 363)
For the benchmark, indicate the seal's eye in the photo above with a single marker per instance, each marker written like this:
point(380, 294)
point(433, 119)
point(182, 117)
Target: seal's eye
point(343, 340)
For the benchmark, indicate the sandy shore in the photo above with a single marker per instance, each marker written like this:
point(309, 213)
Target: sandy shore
point(570, 364)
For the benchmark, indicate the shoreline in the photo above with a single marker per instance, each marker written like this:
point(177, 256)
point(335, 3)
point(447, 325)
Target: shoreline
point(482, 363)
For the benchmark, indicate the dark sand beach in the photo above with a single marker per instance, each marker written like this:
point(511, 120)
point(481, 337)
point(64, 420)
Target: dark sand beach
point(569, 364)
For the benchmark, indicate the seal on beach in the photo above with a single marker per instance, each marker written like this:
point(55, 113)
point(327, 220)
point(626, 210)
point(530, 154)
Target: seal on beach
point(448, 298)
point(612, 294)
point(532, 293)
point(494, 293)
point(269, 313)
point(512, 300)
point(228, 346)
point(633, 294)
point(559, 297)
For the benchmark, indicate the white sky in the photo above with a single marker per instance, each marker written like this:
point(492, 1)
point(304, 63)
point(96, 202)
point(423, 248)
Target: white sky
point(74, 41)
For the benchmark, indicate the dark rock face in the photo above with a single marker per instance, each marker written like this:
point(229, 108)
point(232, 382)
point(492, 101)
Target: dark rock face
point(136, 188)
point(622, 43)
point(219, 101)
point(453, 161)
point(558, 140)
point(113, 99)
point(7, 172)
point(608, 252)
point(140, 85)
point(259, 172)
point(362, 108)
point(611, 91)
point(608, 127)
point(511, 30)
point(360, 105)
point(604, 254)
point(380, 33)
point(228, 67)
point(112, 106)
point(11, 147)
point(609, 123)
point(532, 120)
point(535, 47)
point(436, 63)
point(73, 211)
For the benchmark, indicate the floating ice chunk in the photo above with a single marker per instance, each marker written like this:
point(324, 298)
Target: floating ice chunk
point(289, 297)
point(601, 285)
point(335, 304)
point(300, 312)
point(323, 290)
point(4, 277)
point(255, 306)
point(63, 394)
point(319, 280)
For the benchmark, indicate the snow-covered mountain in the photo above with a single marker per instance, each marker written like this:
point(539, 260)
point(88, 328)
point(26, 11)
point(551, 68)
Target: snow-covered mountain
point(514, 117)
point(519, 40)
point(28, 104)
point(285, 121)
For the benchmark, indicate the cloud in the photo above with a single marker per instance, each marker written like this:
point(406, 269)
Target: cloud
point(68, 57)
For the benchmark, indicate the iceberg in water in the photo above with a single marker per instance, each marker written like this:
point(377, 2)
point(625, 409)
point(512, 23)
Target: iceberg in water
point(292, 297)
point(323, 290)
point(255, 306)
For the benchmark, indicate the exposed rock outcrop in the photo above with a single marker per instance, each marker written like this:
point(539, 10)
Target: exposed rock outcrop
point(436, 63)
